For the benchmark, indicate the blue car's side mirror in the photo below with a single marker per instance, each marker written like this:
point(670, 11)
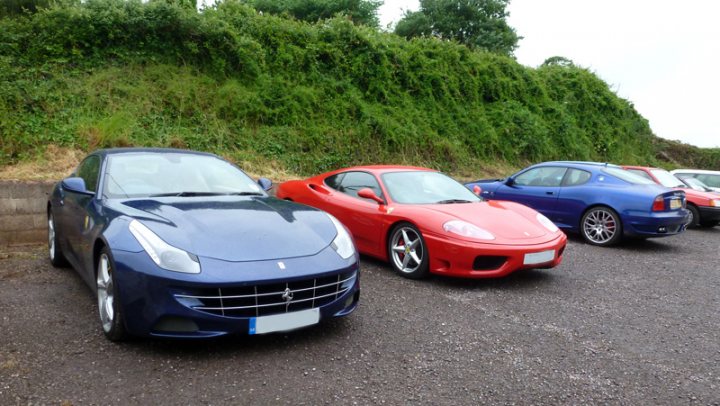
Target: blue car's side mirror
point(510, 181)
point(77, 185)
point(265, 183)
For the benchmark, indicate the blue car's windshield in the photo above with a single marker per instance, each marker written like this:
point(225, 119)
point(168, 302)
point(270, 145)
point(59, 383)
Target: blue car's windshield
point(628, 176)
point(424, 187)
point(148, 174)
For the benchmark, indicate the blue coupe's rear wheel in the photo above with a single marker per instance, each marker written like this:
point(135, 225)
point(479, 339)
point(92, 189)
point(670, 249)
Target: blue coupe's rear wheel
point(111, 316)
point(601, 226)
point(407, 251)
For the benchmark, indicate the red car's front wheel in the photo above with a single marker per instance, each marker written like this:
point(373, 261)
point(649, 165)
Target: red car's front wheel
point(407, 251)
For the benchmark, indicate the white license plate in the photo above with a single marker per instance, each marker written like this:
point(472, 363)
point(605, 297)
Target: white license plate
point(675, 204)
point(284, 321)
point(539, 257)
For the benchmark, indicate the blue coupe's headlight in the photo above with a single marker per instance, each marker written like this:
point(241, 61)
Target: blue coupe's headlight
point(342, 244)
point(546, 223)
point(163, 254)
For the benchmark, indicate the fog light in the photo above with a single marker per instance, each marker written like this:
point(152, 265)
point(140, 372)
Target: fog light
point(662, 229)
point(173, 324)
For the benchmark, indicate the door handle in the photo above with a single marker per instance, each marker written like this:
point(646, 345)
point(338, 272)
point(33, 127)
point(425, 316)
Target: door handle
point(549, 193)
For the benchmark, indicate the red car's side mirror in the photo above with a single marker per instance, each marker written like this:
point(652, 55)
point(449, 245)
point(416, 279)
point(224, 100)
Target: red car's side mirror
point(477, 190)
point(367, 193)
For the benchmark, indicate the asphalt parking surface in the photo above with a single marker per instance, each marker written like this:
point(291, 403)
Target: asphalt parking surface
point(636, 324)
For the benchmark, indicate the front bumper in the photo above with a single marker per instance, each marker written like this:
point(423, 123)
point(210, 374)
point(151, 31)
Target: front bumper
point(709, 214)
point(154, 300)
point(479, 260)
point(655, 224)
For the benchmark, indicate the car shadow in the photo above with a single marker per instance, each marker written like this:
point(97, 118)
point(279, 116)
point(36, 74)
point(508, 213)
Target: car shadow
point(326, 332)
point(529, 278)
point(662, 244)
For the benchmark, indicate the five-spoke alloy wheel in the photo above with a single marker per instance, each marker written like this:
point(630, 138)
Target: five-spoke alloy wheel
point(407, 251)
point(111, 316)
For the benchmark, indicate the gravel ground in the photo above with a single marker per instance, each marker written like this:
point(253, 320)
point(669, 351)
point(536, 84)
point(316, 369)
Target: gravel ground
point(630, 325)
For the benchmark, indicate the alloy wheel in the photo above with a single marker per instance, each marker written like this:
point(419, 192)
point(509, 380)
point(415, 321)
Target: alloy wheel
point(407, 250)
point(105, 293)
point(600, 226)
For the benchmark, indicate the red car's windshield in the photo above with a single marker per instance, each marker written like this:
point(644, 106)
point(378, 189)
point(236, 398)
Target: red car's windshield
point(425, 187)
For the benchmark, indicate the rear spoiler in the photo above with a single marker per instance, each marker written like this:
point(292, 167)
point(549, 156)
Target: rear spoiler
point(486, 180)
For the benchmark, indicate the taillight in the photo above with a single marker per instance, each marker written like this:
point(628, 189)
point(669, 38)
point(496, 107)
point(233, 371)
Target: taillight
point(658, 204)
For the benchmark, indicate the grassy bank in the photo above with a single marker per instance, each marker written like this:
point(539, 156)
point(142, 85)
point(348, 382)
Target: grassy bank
point(299, 98)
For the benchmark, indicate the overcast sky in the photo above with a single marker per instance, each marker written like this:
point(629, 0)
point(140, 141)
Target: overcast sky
point(663, 56)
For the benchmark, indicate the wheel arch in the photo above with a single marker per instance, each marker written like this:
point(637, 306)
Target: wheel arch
point(595, 205)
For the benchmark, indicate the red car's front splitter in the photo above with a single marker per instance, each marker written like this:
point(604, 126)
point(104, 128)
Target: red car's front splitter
point(456, 258)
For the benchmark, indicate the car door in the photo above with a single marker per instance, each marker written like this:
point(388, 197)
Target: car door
point(79, 212)
point(363, 217)
point(571, 201)
point(536, 187)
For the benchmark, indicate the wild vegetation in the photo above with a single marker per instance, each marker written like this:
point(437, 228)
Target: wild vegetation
point(303, 97)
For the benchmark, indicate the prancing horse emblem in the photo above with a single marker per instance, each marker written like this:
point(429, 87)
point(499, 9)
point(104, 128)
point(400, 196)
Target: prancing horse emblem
point(287, 295)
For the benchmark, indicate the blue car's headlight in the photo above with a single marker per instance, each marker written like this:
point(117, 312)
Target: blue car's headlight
point(163, 254)
point(342, 244)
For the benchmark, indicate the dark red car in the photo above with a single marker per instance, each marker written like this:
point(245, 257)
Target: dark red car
point(422, 221)
point(704, 207)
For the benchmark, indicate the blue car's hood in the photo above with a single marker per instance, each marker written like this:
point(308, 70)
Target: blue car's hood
point(234, 228)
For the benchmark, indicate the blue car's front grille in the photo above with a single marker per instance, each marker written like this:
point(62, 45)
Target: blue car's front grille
point(268, 299)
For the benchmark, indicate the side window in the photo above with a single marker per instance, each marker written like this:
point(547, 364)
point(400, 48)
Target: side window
point(334, 181)
point(576, 177)
point(89, 170)
point(640, 173)
point(545, 176)
point(352, 182)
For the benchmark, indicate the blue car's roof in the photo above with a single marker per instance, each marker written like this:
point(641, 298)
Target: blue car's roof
point(114, 151)
point(586, 164)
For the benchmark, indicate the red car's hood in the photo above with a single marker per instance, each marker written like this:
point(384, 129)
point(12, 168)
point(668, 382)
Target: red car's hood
point(507, 221)
point(690, 192)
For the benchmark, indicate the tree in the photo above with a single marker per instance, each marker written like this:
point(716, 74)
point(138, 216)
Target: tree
point(17, 7)
point(478, 24)
point(360, 11)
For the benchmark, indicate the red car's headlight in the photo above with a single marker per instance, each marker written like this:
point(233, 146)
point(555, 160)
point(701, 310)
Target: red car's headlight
point(465, 229)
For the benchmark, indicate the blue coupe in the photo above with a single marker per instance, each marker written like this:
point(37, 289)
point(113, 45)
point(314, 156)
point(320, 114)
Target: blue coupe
point(602, 202)
point(184, 244)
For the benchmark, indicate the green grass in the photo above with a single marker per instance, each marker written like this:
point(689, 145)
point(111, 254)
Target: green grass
point(308, 98)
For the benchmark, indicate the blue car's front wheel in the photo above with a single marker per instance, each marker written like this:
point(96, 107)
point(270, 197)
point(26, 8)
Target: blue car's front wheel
point(601, 226)
point(111, 315)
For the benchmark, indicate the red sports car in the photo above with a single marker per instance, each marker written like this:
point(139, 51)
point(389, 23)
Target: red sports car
point(422, 221)
point(704, 207)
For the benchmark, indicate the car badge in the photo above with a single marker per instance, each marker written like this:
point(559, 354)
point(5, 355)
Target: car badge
point(287, 295)
point(281, 265)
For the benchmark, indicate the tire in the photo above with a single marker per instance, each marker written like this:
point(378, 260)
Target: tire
point(411, 261)
point(601, 226)
point(694, 220)
point(709, 224)
point(57, 258)
point(112, 319)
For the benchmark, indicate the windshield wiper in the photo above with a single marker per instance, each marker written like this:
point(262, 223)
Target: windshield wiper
point(187, 194)
point(244, 194)
point(449, 201)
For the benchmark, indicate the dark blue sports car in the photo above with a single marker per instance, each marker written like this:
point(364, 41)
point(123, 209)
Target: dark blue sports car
point(602, 202)
point(184, 244)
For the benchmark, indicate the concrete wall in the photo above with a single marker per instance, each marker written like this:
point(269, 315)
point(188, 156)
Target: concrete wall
point(23, 216)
